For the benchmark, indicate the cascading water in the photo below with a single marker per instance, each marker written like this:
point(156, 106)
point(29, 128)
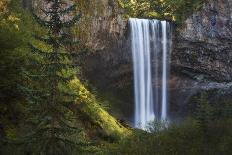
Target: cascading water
point(150, 41)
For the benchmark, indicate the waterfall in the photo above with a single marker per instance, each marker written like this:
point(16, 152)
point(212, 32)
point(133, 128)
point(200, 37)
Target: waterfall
point(150, 43)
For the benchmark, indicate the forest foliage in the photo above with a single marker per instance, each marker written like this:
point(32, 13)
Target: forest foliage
point(15, 33)
point(172, 10)
point(26, 116)
point(207, 131)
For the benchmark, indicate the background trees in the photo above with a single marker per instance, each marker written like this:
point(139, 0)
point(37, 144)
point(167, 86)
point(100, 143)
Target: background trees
point(173, 10)
point(15, 33)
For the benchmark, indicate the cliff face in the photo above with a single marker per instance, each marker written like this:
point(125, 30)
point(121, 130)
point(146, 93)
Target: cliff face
point(201, 55)
point(104, 33)
point(108, 67)
point(204, 44)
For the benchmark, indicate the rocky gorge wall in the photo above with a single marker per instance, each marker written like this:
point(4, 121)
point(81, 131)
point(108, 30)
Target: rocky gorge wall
point(201, 55)
point(103, 31)
point(204, 44)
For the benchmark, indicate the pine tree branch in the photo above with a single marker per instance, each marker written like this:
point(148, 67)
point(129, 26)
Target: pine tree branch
point(42, 22)
point(71, 22)
point(49, 40)
point(49, 54)
point(68, 10)
point(60, 12)
point(38, 51)
point(31, 75)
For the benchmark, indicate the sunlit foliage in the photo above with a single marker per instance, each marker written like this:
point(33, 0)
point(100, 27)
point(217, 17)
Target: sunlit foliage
point(173, 10)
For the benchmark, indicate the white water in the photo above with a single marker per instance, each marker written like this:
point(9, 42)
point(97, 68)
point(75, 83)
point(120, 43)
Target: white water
point(150, 41)
point(164, 70)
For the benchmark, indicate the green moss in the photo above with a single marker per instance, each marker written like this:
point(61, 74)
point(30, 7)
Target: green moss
point(91, 109)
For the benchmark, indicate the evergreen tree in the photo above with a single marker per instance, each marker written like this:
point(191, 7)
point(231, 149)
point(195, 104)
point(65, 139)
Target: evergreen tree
point(15, 33)
point(204, 112)
point(47, 92)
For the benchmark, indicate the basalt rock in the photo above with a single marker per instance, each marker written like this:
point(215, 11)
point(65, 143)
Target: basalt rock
point(103, 30)
point(109, 65)
point(204, 43)
point(201, 55)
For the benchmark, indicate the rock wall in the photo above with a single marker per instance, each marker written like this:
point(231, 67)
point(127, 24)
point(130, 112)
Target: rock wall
point(108, 68)
point(105, 34)
point(204, 44)
point(201, 48)
point(201, 56)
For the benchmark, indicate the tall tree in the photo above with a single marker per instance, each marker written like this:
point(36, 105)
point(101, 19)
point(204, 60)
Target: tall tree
point(15, 32)
point(48, 94)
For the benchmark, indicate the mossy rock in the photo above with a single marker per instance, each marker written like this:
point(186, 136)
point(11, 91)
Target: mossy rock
point(93, 116)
